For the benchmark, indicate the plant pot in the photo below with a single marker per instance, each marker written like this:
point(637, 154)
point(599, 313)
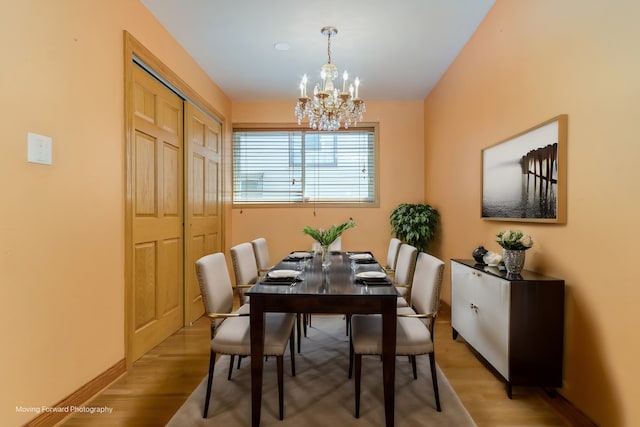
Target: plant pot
point(513, 260)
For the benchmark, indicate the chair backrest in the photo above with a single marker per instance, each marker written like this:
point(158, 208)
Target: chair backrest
point(392, 253)
point(406, 264)
point(335, 246)
point(215, 284)
point(427, 282)
point(261, 251)
point(244, 264)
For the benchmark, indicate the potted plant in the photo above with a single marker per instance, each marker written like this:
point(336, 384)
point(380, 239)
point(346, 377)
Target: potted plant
point(414, 223)
point(326, 236)
point(514, 244)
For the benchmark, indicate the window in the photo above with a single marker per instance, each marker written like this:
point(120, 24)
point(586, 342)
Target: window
point(284, 166)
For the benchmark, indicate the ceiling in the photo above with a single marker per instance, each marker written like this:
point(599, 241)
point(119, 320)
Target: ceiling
point(399, 49)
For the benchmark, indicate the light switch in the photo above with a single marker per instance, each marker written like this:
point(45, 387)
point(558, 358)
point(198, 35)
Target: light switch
point(39, 148)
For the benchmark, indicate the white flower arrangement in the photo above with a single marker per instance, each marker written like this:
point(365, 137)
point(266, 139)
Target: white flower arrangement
point(514, 240)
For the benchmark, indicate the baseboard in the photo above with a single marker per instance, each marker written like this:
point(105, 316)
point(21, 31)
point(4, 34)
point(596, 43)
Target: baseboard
point(566, 409)
point(80, 396)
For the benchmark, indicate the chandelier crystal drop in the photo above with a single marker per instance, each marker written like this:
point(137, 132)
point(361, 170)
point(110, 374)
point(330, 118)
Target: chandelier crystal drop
point(329, 106)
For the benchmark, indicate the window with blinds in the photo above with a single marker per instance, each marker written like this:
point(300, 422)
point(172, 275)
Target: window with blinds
point(302, 166)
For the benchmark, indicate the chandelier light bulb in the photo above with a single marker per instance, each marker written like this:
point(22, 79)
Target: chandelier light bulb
point(303, 87)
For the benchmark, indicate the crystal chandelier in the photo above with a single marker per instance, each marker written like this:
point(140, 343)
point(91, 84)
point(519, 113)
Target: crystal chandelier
point(329, 106)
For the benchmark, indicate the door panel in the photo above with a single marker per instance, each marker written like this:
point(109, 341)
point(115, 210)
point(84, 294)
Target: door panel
point(156, 306)
point(144, 284)
point(204, 225)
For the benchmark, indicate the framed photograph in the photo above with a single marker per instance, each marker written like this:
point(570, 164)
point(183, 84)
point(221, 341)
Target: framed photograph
point(524, 178)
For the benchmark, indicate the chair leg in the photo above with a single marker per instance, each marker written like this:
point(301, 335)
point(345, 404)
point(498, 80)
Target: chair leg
point(280, 363)
point(358, 363)
point(212, 363)
point(239, 360)
point(231, 360)
point(413, 366)
point(292, 353)
point(298, 329)
point(348, 322)
point(432, 362)
point(350, 357)
point(306, 322)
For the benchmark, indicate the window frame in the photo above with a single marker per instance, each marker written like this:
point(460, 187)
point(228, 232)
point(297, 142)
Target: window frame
point(291, 127)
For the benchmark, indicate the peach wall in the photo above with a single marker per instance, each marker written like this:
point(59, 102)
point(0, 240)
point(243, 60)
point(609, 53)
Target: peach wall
point(62, 226)
point(527, 62)
point(402, 180)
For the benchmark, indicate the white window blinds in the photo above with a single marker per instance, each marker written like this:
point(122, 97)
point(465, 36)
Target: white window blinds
point(293, 166)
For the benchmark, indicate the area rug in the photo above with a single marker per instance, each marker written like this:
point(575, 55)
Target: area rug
point(321, 394)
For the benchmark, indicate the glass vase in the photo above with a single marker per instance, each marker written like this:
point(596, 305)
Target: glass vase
point(513, 260)
point(325, 256)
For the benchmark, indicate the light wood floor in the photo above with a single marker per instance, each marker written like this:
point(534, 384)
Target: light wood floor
point(158, 384)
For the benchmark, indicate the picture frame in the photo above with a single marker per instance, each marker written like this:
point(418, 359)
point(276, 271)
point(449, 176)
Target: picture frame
point(524, 177)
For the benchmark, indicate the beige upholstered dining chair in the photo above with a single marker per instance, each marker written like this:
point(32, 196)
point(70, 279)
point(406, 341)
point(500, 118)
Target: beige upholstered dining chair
point(263, 262)
point(261, 252)
point(403, 275)
point(245, 269)
point(414, 325)
point(392, 256)
point(230, 331)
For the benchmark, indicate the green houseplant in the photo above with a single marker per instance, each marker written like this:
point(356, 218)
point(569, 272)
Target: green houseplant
point(326, 236)
point(414, 223)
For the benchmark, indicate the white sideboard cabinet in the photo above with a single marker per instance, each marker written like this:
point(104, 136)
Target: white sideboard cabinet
point(516, 323)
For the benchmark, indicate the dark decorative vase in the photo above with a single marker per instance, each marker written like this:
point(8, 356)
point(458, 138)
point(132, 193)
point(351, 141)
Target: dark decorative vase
point(478, 253)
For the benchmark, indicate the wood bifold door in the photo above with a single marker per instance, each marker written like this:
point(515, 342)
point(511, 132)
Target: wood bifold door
point(204, 224)
point(169, 224)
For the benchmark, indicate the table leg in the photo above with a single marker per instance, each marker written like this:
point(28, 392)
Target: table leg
point(257, 353)
point(389, 359)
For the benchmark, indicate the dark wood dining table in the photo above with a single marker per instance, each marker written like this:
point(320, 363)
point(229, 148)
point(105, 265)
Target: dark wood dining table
point(332, 289)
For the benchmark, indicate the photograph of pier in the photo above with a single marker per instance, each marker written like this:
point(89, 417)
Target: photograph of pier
point(521, 176)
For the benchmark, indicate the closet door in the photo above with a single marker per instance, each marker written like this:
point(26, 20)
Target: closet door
point(155, 307)
point(203, 213)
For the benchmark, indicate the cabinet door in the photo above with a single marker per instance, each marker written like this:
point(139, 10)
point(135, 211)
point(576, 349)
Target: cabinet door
point(492, 299)
point(463, 318)
point(480, 305)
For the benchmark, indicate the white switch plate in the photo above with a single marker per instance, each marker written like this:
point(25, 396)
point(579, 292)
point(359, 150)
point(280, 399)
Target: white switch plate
point(39, 148)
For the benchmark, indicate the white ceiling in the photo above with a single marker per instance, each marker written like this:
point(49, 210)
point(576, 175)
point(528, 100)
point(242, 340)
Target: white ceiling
point(399, 49)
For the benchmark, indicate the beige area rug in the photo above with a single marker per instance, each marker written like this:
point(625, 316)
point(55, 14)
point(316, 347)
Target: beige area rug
point(321, 394)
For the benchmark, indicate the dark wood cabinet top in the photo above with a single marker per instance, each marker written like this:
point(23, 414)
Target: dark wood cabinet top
point(524, 276)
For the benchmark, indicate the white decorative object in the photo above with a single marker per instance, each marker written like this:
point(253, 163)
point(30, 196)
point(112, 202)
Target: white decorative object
point(492, 259)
